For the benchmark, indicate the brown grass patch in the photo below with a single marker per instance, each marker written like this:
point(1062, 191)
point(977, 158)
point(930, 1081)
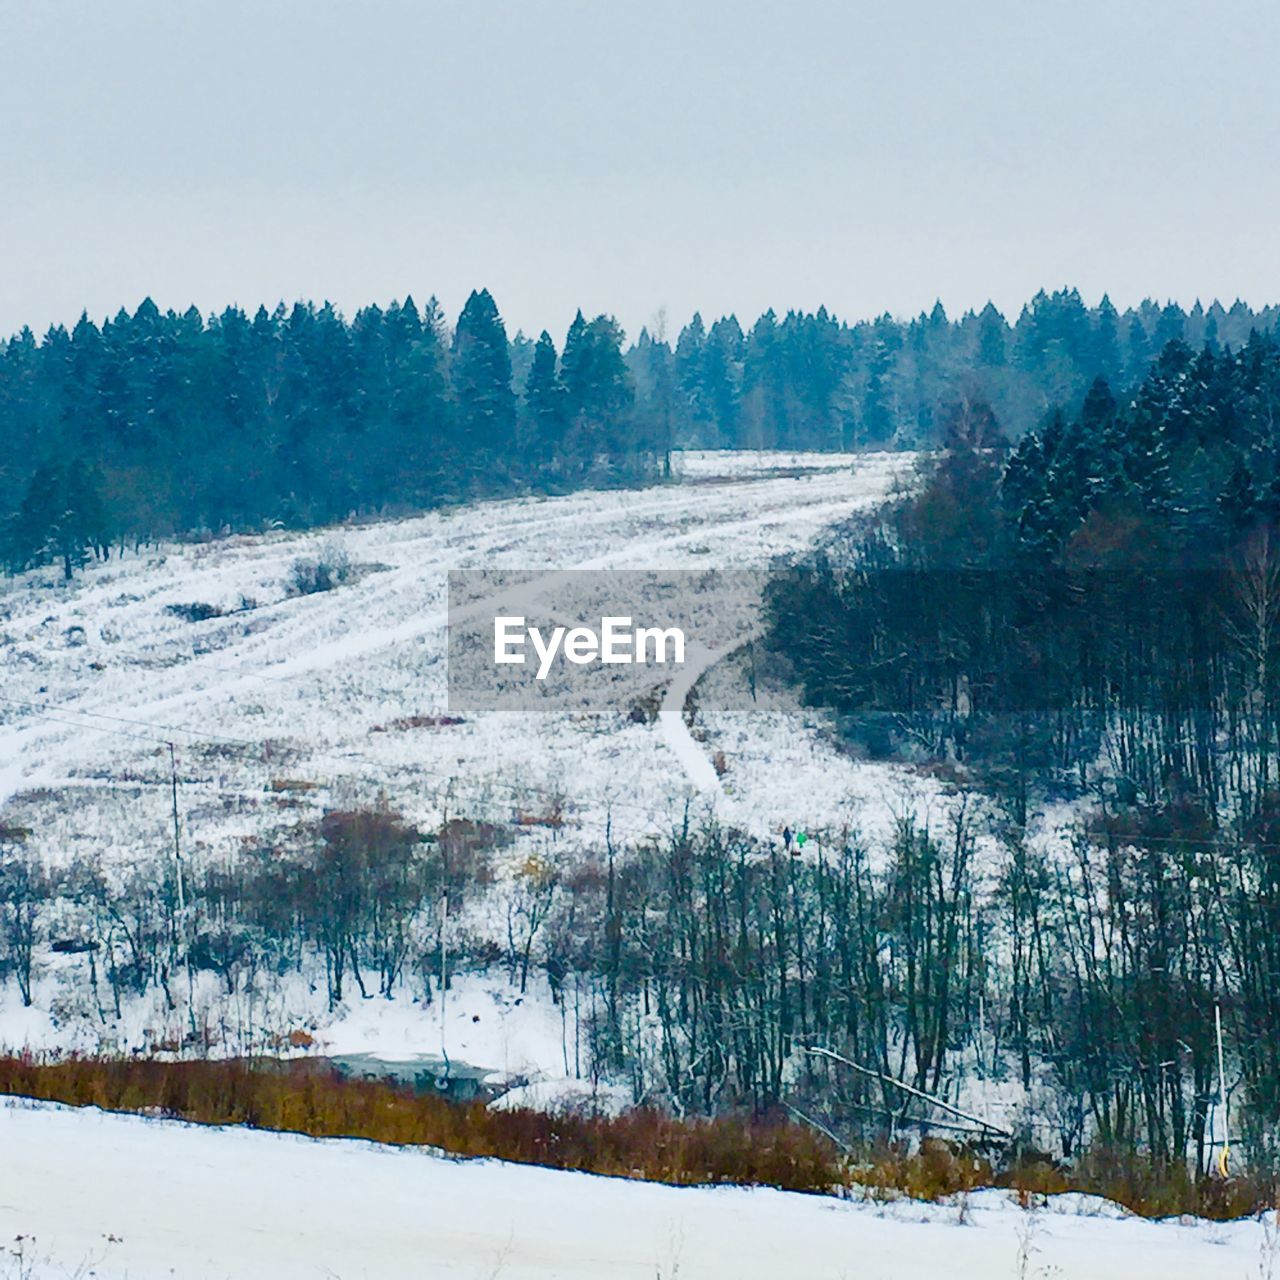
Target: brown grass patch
point(403, 723)
point(302, 1097)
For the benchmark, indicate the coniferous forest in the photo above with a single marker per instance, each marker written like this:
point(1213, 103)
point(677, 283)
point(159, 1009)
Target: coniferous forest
point(1090, 617)
point(157, 424)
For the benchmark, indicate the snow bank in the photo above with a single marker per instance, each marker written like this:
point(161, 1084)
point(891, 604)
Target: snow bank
point(120, 1196)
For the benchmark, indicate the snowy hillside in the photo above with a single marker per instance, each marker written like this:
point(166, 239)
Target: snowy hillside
point(281, 705)
point(278, 701)
point(87, 1193)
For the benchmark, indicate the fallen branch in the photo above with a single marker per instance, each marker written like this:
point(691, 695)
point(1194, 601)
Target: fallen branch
point(911, 1089)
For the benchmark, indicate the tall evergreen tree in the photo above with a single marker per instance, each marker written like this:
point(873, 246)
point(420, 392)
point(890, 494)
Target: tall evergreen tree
point(481, 375)
point(545, 405)
point(992, 337)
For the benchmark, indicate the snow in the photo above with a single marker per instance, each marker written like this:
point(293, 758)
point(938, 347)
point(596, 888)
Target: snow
point(693, 759)
point(281, 705)
point(487, 1023)
point(720, 464)
point(305, 690)
point(116, 1196)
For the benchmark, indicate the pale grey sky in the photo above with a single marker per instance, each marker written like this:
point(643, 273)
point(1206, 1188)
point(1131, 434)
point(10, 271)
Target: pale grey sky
point(626, 156)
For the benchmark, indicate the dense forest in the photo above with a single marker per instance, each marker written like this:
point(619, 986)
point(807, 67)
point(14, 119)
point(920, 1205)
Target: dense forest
point(158, 425)
point(164, 424)
point(1093, 616)
point(1098, 603)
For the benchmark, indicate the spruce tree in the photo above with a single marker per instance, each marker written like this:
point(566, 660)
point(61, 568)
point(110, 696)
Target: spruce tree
point(544, 398)
point(992, 335)
point(598, 393)
point(481, 378)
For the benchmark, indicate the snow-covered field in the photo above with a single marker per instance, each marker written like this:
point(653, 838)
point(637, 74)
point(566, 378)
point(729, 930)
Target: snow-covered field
point(86, 1193)
point(283, 703)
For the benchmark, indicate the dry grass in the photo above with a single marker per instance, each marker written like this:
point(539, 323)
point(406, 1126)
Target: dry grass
point(940, 1170)
point(302, 1098)
point(404, 723)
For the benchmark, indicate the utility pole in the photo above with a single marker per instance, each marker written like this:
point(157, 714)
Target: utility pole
point(1224, 1155)
point(177, 839)
point(185, 932)
point(910, 1089)
point(444, 974)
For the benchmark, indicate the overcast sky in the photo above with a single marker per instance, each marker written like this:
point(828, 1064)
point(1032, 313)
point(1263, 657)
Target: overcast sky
point(626, 155)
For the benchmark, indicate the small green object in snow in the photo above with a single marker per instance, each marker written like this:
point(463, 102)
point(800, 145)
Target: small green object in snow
point(801, 838)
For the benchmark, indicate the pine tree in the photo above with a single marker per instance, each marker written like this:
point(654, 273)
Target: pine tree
point(654, 374)
point(992, 337)
point(61, 517)
point(1099, 408)
point(1107, 361)
point(599, 393)
point(544, 398)
point(481, 377)
point(1238, 500)
point(1139, 344)
point(690, 364)
point(721, 379)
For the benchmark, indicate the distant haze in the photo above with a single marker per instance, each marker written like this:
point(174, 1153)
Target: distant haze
point(624, 157)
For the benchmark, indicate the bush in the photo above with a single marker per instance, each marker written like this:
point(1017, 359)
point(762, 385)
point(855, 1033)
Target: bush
point(329, 568)
point(197, 611)
point(307, 1097)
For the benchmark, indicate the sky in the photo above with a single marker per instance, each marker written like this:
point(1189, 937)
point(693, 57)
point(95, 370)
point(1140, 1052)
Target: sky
point(635, 158)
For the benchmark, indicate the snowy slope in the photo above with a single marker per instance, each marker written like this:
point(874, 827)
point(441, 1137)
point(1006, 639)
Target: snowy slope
point(116, 1196)
point(281, 705)
point(287, 703)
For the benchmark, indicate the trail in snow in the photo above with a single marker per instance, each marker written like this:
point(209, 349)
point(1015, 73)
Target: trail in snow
point(671, 718)
point(310, 683)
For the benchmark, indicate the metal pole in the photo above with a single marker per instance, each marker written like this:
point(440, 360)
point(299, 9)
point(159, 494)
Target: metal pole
point(444, 975)
point(184, 931)
point(914, 1092)
point(1225, 1154)
point(177, 841)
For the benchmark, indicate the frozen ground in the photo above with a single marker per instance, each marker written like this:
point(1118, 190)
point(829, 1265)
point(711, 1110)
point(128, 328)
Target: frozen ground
point(119, 1196)
point(484, 1021)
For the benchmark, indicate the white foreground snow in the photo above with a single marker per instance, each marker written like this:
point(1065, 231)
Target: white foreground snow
point(121, 1196)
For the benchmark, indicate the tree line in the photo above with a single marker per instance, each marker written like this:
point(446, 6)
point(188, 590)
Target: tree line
point(1092, 616)
point(1096, 606)
point(157, 424)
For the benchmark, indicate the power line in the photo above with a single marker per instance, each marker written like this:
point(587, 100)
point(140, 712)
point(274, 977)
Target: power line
point(43, 709)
